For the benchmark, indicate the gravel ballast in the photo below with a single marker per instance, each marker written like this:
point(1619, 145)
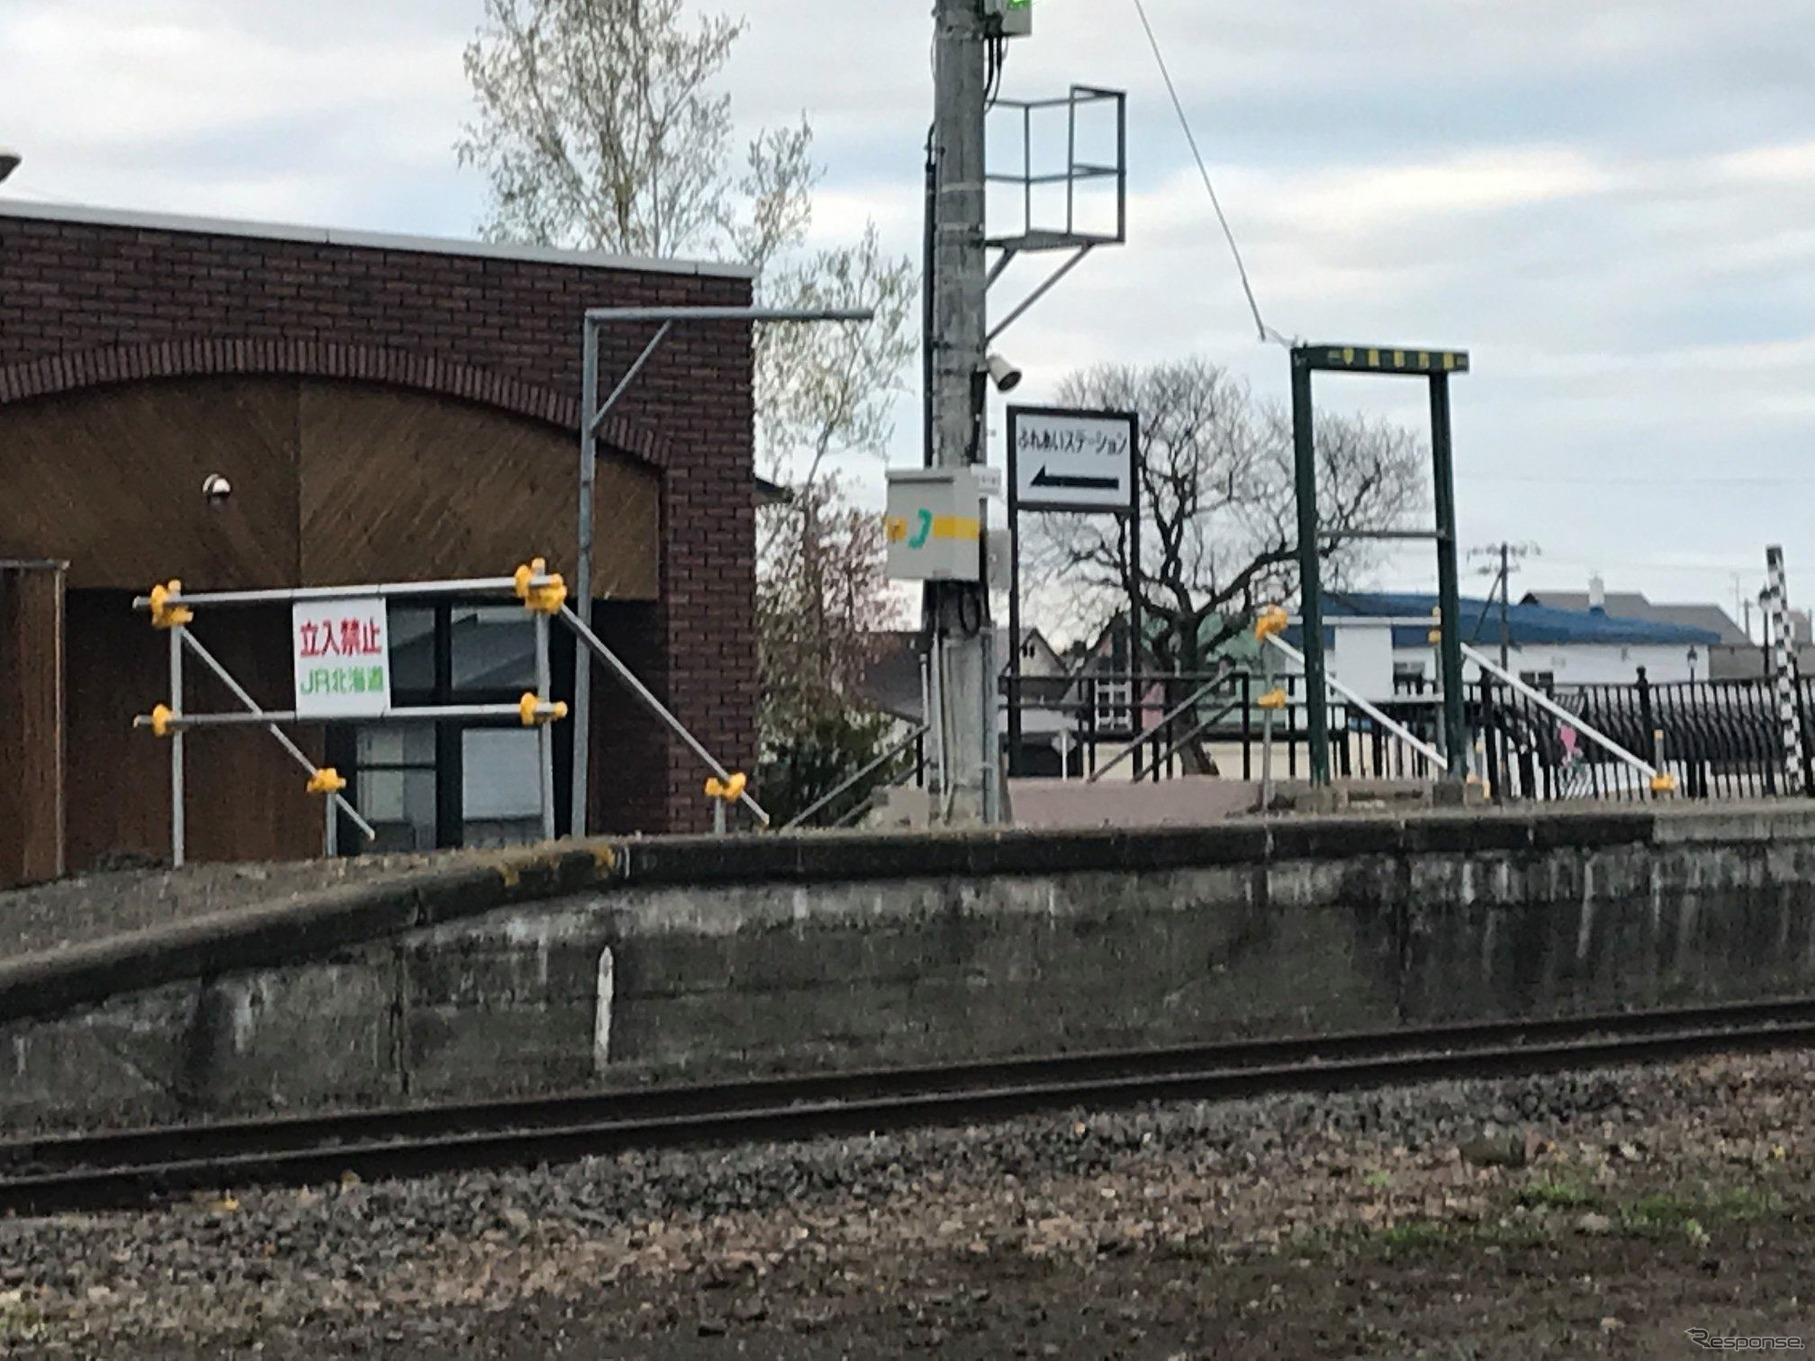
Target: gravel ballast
point(1604, 1212)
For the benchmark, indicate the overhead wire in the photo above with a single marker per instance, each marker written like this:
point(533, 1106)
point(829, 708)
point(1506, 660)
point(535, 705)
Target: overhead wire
point(1267, 333)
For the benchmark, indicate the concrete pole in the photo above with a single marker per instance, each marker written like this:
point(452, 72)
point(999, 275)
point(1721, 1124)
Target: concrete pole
point(959, 611)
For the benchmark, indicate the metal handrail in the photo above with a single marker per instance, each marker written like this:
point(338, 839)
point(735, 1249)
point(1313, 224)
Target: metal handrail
point(1399, 730)
point(858, 778)
point(1124, 752)
point(1557, 711)
point(646, 696)
point(1192, 735)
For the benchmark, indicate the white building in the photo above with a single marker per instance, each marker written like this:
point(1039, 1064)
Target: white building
point(1379, 644)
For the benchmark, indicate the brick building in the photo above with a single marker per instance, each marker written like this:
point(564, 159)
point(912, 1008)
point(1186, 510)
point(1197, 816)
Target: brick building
point(386, 409)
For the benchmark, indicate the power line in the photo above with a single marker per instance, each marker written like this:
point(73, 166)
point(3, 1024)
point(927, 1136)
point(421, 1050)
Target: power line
point(1266, 331)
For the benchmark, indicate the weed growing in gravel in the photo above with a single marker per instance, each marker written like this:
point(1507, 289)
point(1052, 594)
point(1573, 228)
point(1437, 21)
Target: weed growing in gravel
point(1378, 1180)
point(1524, 1232)
point(1412, 1234)
point(1555, 1194)
point(1667, 1212)
point(19, 1321)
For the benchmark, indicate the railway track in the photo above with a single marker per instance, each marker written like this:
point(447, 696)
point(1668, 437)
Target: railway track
point(119, 1169)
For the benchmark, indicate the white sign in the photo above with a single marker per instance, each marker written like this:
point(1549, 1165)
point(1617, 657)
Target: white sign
point(1072, 460)
point(343, 659)
point(989, 481)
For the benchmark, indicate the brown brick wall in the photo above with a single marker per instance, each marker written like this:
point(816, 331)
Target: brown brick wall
point(82, 303)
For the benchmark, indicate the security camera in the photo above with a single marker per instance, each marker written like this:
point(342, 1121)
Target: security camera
point(216, 489)
point(1003, 374)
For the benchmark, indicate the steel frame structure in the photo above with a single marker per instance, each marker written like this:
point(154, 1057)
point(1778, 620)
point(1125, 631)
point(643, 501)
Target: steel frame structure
point(1436, 367)
point(593, 415)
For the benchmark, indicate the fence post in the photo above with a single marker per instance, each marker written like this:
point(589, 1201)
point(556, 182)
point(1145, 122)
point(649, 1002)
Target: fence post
point(1646, 722)
point(1247, 689)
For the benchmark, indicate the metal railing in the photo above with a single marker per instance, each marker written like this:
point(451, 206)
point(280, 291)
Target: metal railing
point(915, 739)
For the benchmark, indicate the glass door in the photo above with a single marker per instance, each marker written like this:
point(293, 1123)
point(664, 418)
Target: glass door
point(427, 786)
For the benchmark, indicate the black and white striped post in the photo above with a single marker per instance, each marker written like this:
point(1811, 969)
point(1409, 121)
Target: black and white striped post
point(1784, 672)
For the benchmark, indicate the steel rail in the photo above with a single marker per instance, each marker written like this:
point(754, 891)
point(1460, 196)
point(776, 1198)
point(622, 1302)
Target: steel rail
point(135, 1167)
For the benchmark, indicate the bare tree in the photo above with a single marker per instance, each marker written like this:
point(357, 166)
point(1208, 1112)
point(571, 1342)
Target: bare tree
point(601, 127)
point(1219, 515)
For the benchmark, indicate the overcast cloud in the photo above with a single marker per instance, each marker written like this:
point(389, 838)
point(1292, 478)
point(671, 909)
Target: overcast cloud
point(1612, 205)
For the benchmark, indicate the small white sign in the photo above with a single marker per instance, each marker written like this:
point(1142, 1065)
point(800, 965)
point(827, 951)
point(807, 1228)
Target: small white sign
point(1068, 460)
point(343, 658)
point(989, 481)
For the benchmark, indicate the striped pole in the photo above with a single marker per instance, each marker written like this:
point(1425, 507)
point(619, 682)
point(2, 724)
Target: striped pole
point(1784, 670)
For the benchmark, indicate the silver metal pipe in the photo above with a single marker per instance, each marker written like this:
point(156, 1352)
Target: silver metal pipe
point(802, 817)
point(596, 420)
point(545, 733)
point(225, 677)
point(654, 705)
point(582, 590)
point(1557, 711)
point(423, 714)
point(1026, 303)
point(1399, 730)
point(1266, 737)
point(388, 591)
point(1127, 750)
point(177, 830)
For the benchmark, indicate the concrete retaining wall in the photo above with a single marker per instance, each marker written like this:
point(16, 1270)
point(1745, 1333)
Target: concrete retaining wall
point(665, 959)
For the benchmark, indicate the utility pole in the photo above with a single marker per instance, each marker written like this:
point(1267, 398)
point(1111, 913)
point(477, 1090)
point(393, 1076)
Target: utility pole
point(1507, 553)
point(958, 611)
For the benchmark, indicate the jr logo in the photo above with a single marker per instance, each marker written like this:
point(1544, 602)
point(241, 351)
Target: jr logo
point(926, 528)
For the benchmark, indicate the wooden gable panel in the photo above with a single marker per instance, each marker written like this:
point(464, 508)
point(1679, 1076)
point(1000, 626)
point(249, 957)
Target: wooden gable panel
point(402, 486)
point(110, 481)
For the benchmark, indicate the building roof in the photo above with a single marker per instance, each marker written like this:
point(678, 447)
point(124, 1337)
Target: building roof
point(772, 493)
point(335, 236)
point(1527, 624)
point(891, 682)
point(1632, 605)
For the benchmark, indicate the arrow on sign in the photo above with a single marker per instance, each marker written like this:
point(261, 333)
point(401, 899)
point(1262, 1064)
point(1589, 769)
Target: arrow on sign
point(1043, 478)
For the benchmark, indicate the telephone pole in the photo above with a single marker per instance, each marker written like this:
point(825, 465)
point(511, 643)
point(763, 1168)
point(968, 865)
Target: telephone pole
point(1507, 553)
point(958, 611)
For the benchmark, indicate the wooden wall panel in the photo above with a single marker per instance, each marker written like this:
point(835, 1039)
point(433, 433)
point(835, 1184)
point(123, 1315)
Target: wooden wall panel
point(400, 486)
point(32, 798)
point(245, 795)
point(334, 482)
point(109, 480)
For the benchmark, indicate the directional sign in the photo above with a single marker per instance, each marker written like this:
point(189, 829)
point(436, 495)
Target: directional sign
point(1073, 460)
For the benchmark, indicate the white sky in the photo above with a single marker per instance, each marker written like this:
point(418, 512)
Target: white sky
point(1612, 205)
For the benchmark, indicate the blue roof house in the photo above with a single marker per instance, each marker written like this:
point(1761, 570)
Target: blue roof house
point(1379, 643)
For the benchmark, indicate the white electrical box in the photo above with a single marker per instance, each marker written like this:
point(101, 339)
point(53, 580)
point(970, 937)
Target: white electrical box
point(1015, 16)
point(934, 525)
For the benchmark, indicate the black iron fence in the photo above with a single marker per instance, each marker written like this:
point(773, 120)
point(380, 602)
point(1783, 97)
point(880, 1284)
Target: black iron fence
point(1719, 739)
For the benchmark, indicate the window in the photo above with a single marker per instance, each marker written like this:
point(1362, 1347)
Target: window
point(1113, 700)
point(424, 785)
point(395, 784)
point(501, 786)
point(1540, 680)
